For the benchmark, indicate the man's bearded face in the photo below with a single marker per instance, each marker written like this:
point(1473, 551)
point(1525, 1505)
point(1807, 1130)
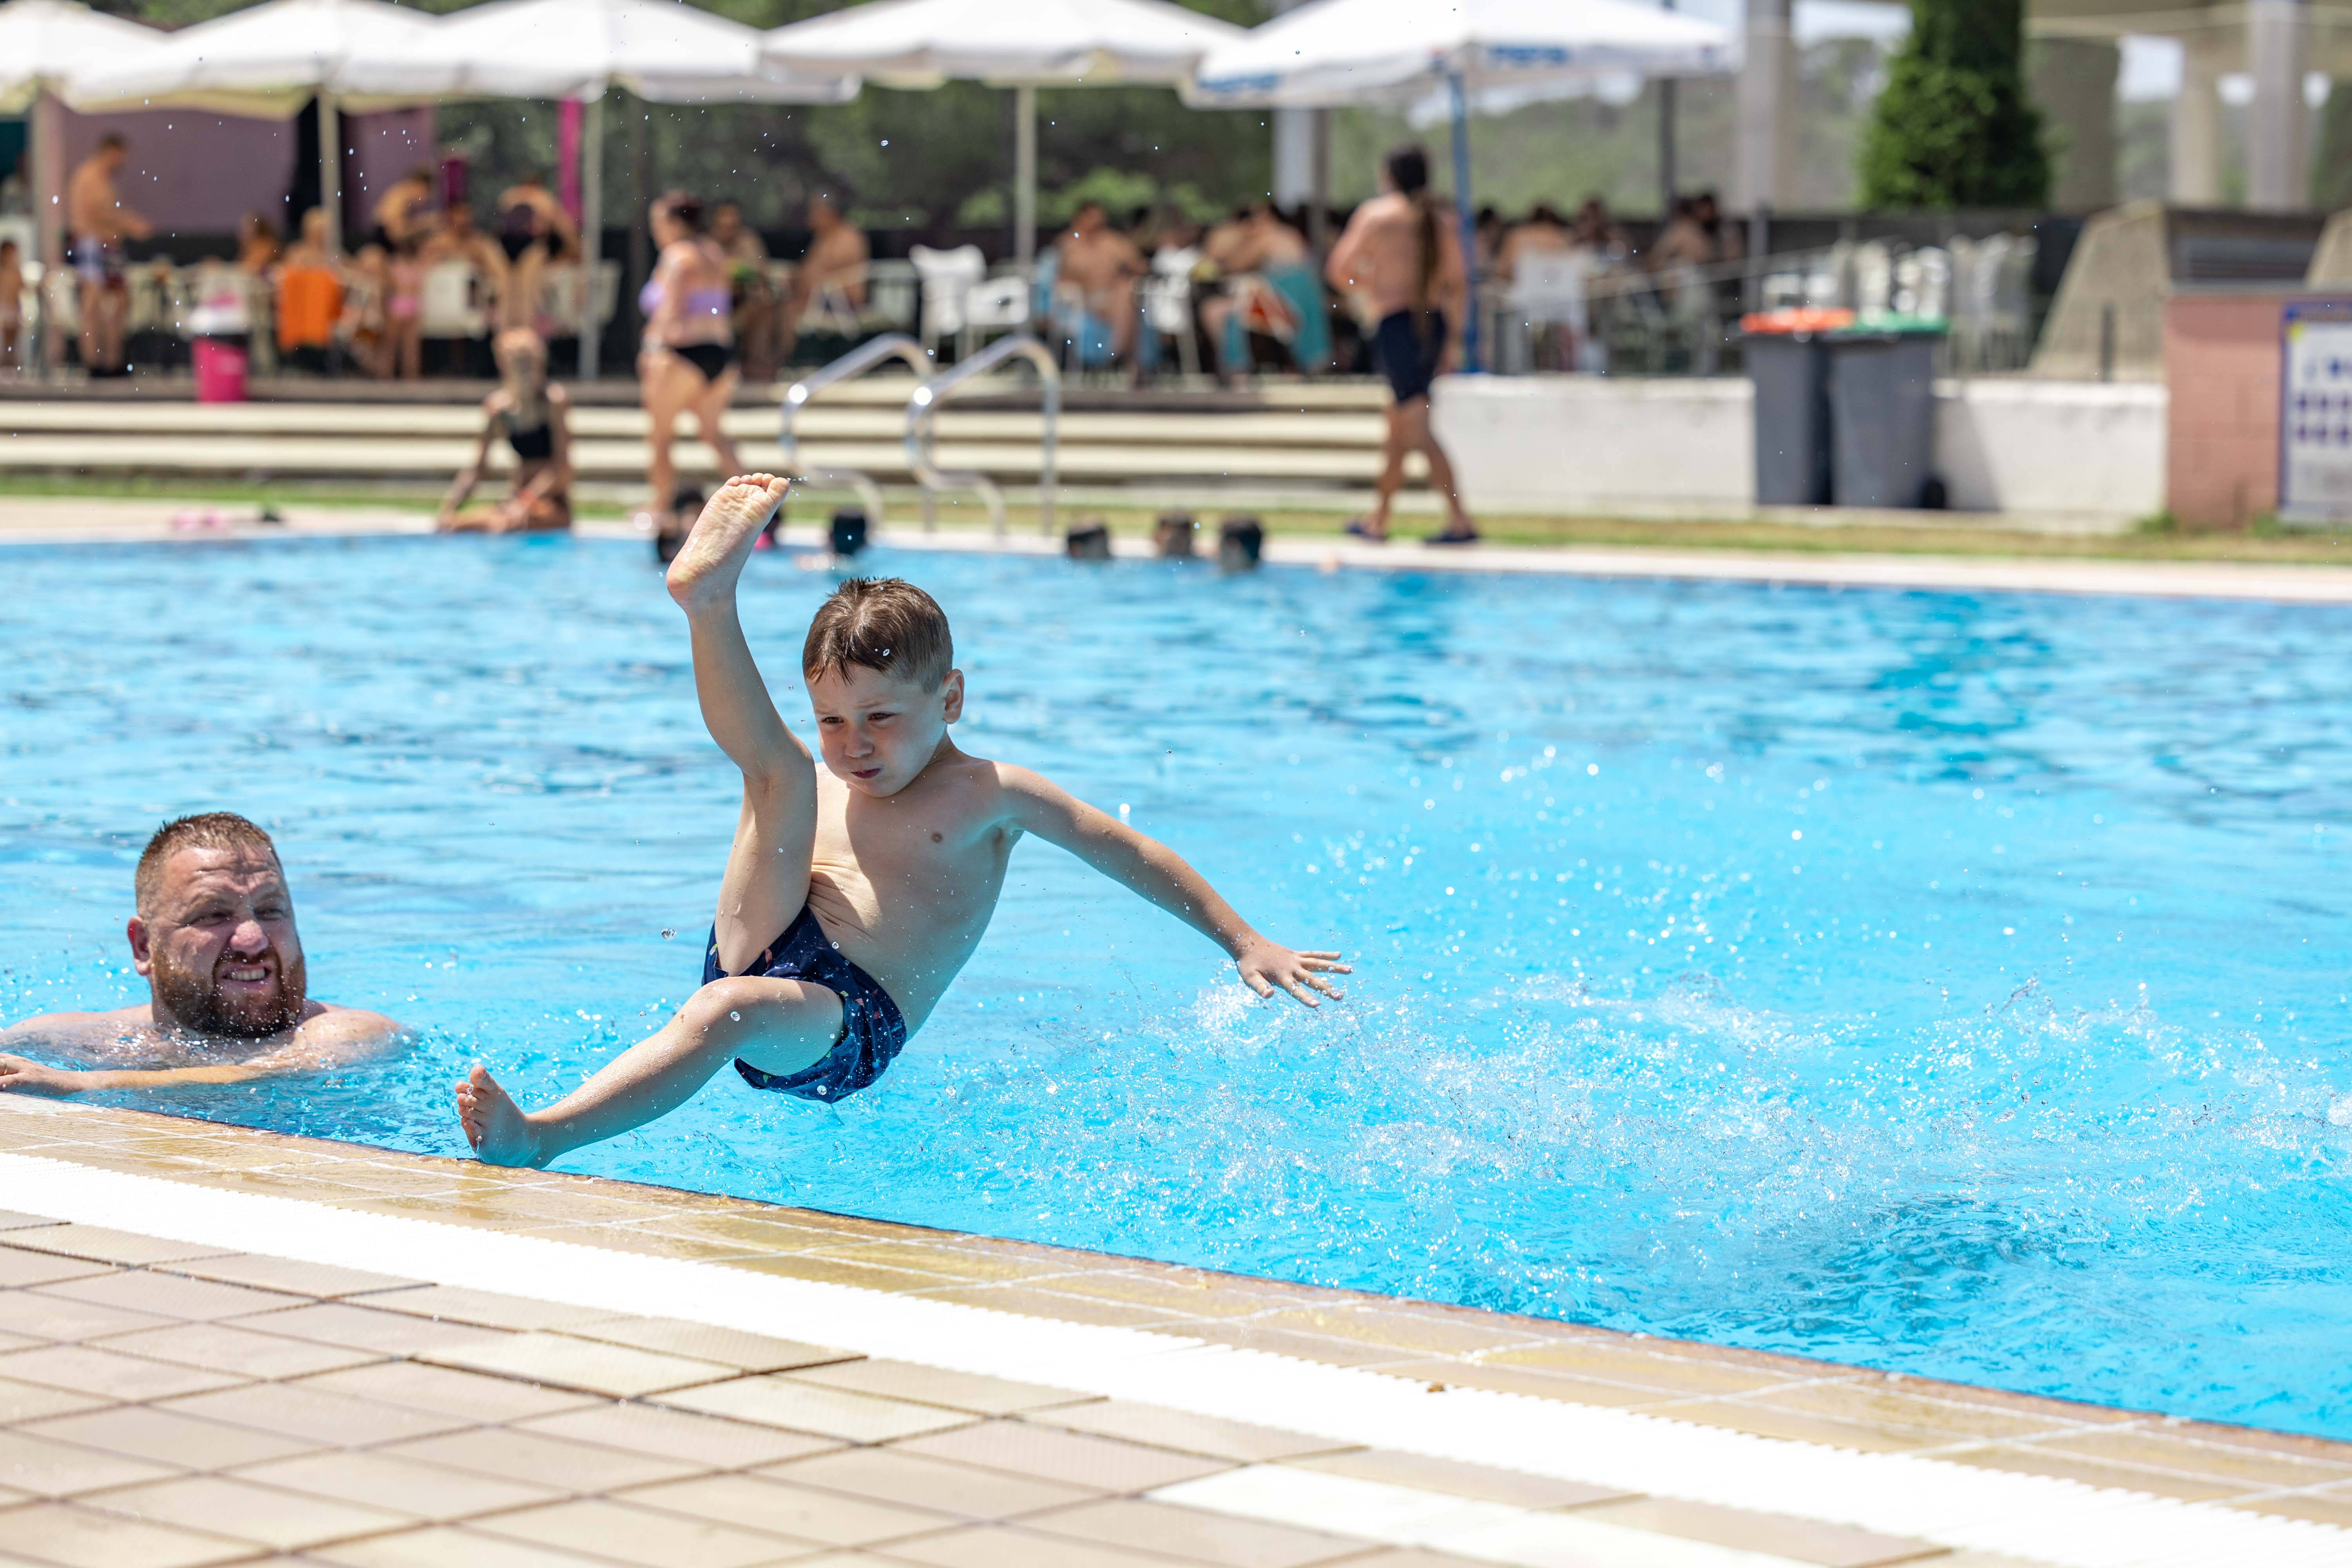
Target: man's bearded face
point(222, 954)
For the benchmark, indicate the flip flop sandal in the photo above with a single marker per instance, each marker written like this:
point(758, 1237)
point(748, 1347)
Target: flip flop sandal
point(1471, 538)
point(1358, 529)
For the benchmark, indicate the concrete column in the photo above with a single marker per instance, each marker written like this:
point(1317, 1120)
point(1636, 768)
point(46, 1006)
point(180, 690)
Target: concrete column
point(1294, 156)
point(2275, 126)
point(49, 170)
point(2073, 83)
point(2197, 127)
point(1767, 171)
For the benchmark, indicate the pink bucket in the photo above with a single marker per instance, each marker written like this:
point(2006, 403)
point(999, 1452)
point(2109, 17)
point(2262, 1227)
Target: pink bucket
point(220, 371)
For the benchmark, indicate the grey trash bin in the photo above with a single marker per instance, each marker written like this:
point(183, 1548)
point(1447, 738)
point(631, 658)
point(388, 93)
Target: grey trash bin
point(1883, 418)
point(1790, 371)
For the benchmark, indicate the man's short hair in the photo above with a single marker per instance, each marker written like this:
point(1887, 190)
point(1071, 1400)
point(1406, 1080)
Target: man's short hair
point(1408, 167)
point(881, 624)
point(112, 141)
point(206, 830)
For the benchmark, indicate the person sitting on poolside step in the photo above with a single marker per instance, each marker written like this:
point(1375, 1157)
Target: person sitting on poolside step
point(1401, 253)
point(228, 999)
point(535, 418)
point(854, 893)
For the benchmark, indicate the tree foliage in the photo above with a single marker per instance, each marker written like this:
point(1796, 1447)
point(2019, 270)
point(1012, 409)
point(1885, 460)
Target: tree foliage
point(1954, 127)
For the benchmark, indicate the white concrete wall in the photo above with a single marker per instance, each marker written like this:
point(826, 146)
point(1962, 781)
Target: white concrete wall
point(2068, 454)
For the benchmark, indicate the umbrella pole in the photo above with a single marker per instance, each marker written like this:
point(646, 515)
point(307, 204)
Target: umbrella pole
point(1469, 223)
point(1024, 179)
point(330, 170)
point(48, 161)
point(592, 229)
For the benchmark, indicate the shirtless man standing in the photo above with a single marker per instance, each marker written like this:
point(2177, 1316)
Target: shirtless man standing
point(228, 995)
point(1104, 264)
point(835, 262)
point(98, 223)
point(1400, 252)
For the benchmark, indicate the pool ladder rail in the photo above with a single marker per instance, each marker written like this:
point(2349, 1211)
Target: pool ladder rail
point(921, 433)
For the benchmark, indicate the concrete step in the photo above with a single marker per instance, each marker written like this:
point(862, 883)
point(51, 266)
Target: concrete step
point(328, 457)
point(820, 420)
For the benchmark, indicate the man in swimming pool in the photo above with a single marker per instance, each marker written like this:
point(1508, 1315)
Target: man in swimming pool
point(228, 998)
point(854, 892)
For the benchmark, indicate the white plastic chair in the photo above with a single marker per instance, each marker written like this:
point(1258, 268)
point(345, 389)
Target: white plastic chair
point(948, 278)
point(449, 305)
point(993, 305)
point(1168, 310)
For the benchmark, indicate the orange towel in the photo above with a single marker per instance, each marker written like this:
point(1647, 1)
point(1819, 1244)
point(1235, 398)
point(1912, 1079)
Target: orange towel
point(310, 302)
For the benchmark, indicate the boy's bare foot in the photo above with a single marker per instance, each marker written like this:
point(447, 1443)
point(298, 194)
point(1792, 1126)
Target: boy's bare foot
point(714, 553)
point(495, 1125)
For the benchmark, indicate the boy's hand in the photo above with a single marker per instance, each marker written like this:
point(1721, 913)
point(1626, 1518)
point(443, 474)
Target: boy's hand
point(1266, 964)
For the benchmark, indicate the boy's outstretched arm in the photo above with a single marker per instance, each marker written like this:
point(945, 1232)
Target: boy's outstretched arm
point(767, 869)
point(1159, 874)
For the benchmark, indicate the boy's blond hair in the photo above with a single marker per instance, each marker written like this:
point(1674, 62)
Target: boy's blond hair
point(883, 623)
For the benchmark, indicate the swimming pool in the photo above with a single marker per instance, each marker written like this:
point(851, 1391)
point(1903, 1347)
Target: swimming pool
point(1949, 983)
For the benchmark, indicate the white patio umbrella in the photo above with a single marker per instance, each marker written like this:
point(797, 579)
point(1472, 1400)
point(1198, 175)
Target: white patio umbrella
point(1330, 53)
point(42, 44)
point(662, 51)
point(1021, 43)
point(264, 62)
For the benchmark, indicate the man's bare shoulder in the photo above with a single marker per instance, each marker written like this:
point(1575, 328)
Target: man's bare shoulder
point(328, 1024)
point(65, 1028)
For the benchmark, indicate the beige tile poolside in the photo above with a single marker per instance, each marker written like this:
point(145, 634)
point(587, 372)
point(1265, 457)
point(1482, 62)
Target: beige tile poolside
point(1073, 1459)
point(1185, 1432)
point(700, 1342)
point(1195, 1535)
point(391, 1484)
point(99, 1369)
point(620, 1371)
point(456, 1304)
point(99, 1245)
point(706, 1441)
point(781, 1400)
point(170, 1295)
point(932, 1385)
point(242, 1353)
point(778, 1508)
point(82, 1537)
point(168, 1436)
point(242, 1510)
point(641, 1536)
point(46, 1465)
point(915, 1480)
point(834, 1457)
point(1774, 1535)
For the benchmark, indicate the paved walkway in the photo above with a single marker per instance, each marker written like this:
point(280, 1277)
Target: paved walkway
point(219, 1345)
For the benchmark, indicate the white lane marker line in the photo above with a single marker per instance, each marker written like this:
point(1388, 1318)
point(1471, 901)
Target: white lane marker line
point(2037, 1517)
point(1489, 1532)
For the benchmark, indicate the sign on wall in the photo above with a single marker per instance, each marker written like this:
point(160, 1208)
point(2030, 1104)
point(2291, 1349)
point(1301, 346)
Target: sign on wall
point(2316, 412)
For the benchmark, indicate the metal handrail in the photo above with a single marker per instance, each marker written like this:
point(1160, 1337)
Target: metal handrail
point(855, 363)
point(921, 433)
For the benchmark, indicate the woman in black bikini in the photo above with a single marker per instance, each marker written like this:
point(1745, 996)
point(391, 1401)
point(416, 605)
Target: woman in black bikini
point(535, 419)
point(687, 359)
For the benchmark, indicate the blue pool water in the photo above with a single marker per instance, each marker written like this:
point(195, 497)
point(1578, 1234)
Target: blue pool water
point(1951, 983)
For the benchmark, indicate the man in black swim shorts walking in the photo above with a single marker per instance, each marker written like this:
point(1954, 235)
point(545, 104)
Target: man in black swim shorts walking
point(1401, 253)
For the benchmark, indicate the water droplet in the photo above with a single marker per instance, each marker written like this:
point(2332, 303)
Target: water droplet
point(667, 934)
point(737, 1016)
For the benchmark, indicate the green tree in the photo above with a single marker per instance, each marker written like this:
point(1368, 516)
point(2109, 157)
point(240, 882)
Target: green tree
point(1954, 127)
point(2331, 161)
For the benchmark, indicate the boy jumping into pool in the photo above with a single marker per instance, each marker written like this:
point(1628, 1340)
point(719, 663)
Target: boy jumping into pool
point(854, 892)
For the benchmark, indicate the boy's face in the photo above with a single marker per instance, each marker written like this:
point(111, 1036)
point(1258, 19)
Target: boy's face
point(876, 730)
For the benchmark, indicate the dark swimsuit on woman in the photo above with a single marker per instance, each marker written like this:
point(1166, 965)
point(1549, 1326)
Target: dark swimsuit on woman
point(873, 1030)
point(711, 359)
point(535, 445)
